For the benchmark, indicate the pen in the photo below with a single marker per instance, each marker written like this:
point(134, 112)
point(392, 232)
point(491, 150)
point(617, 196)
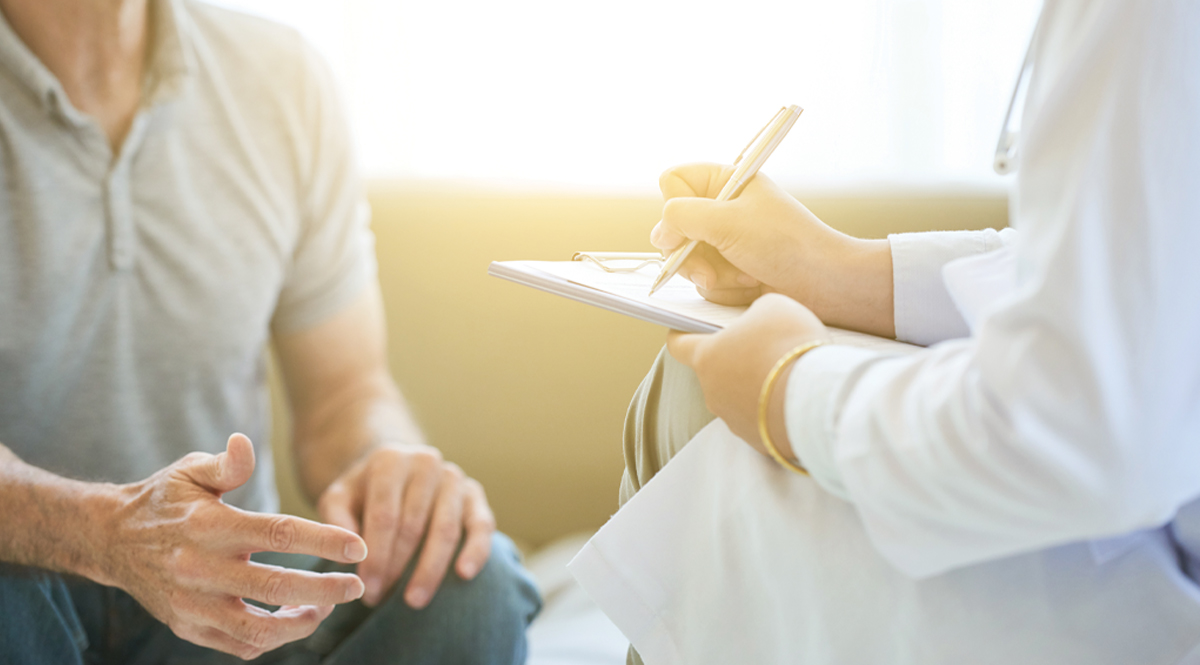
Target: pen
point(748, 163)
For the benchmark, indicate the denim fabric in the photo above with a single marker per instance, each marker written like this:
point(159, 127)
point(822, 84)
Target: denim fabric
point(48, 619)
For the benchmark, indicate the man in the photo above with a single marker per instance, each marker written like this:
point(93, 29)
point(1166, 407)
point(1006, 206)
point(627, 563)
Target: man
point(176, 190)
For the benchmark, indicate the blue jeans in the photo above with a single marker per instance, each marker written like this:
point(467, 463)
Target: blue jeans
point(48, 619)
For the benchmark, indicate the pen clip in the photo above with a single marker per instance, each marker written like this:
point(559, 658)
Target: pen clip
point(753, 140)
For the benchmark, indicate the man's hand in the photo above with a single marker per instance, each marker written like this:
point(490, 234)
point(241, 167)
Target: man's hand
point(733, 363)
point(184, 555)
point(395, 496)
point(766, 241)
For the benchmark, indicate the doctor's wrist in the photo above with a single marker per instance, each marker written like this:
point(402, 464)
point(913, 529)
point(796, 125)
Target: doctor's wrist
point(852, 286)
point(772, 419)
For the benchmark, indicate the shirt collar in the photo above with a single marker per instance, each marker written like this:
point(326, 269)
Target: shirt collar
point(170, 62)
point(25, 66)
point(172, 57)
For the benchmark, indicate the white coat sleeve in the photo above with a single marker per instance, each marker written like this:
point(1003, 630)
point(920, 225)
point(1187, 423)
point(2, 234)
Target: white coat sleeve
point(924, 310)
point(1073, 412)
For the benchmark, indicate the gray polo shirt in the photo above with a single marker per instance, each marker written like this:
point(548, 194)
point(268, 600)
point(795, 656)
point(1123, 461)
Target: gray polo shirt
point(138, 291)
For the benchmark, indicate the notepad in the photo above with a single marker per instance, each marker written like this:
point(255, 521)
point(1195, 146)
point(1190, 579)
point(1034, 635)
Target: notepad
point(677, 305)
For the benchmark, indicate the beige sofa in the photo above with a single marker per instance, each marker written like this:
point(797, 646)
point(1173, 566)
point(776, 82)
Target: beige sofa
point(527, 391)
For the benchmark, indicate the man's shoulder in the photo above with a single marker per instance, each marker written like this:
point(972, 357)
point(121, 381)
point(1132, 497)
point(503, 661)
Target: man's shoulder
point(216, 22)
point(257, 47)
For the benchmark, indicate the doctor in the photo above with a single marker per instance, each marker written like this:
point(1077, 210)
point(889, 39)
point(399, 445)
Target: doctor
point(1057, 407)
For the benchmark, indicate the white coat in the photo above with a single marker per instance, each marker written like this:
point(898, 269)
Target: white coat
point(1023, 491)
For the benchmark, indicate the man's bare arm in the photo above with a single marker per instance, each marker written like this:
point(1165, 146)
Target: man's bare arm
point(343, 398)
point(363, 459)
point(49, 521)
point(172, 544)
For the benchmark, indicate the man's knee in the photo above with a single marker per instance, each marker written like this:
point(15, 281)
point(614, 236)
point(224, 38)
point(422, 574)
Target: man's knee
point(503, 596)
point(666, 412)
point(478, 621)
point(491, 612)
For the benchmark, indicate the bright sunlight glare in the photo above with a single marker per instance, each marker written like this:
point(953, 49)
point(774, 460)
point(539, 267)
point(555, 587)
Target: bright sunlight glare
point(604, 96)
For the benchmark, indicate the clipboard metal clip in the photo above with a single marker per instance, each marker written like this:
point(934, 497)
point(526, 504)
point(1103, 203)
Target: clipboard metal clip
point(603, 259)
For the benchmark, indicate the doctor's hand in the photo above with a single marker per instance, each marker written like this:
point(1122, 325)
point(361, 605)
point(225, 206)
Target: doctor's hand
point(733, 363)
point(173, 545)
point(397, 495)
point(766, 241)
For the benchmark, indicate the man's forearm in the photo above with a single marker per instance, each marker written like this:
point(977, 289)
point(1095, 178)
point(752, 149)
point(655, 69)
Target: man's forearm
point(49, 521)
point(330, 438)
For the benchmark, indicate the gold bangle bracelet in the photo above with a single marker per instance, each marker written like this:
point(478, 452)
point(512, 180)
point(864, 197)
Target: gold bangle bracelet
point(764, 402)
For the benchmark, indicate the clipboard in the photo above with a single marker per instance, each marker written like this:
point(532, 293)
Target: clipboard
point(618, 281)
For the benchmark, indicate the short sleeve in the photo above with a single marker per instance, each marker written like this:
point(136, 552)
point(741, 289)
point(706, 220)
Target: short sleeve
point(334, 256)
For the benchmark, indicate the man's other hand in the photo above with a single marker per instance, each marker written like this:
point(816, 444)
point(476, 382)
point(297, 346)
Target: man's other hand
point(185, 556)
point(395, 496)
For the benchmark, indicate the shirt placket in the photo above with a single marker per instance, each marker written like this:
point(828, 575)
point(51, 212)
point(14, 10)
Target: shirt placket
point(118, 198)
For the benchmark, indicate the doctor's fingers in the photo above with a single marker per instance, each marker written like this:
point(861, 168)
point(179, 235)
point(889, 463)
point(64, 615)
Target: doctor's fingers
point(717, 279)
point(718, 223)
point(732, 297)
point(700, 179)
point(684, 346)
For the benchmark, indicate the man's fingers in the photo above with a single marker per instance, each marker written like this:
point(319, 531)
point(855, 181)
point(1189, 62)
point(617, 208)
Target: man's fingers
point(259, 532)
point(338, 506)
point(224, 472)
point(209, 637)
point(424, 479)
point(285, 586)
point(441, 540)
point(237, 462)
point(386, 480)
point(479, 524)
point(699, 179)
point(258, 630)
